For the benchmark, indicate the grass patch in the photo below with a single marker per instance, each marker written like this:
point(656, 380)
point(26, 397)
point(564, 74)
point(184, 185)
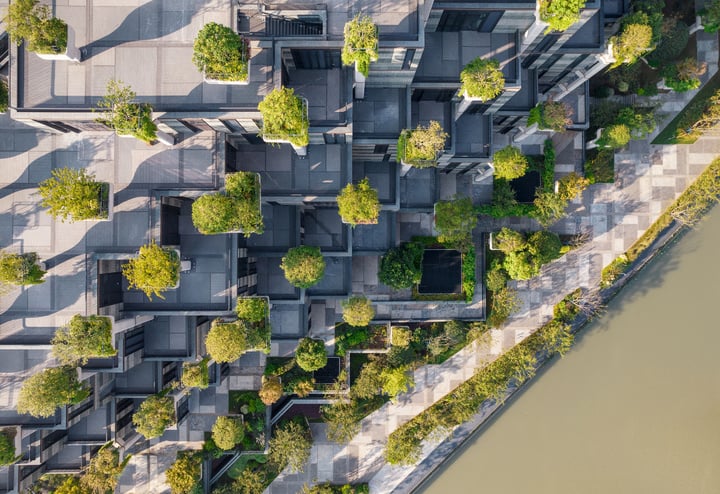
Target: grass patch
point(688, 116)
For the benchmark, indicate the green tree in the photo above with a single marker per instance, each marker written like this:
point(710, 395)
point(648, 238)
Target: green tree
point(403, 447)
point(20, 269)
point(455, 221)
point(103, 472)
point(482, 79)
point(570, 186)
point(302, 386)
point(123, 115)
point(285, 117)
point(7, 449)
point(359, 205)
point(220, 53)
point(250, 482)
point(396, 381)
point(674, 39)
point(252, 309)
point(521, 265)
point(215, 213)
point(41, 394)
point(83, 338)
point(710, 16)
point(633, 41)
point(401, 336)
point(184, 474)
point(401, 267)
point(361, 43)
point(28, 20)
point(226, 342)
point(303, 266)
point(153, 271)
point(420, 147)
point(290, 446)
point(154, 415)
point(504, 303)
point(71, 485)
point(195, 374)
point(357, 311)
point(544, 246)
point(640, 123)
point(244, 189)
point(560, 14)
point(271, 390)
point(508, 240)
point(615, 136)
point(343, 420)
point(556, 337)
point(73, 193)
point(495, 279)
point(227, 432)
point(553, 115)
point(311, 354)
point(509, 163)
point(549, 207)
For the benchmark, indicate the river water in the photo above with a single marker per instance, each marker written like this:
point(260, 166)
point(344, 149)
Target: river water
point(633, 408)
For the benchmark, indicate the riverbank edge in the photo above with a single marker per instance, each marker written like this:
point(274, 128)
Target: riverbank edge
point(447, 449)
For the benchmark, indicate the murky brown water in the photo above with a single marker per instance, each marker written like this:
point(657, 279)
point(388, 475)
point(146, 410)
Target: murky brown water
point(633, 408)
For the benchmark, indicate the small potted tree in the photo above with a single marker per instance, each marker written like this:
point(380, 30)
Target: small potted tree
point(226, 341)
point(20, 269)
point(422, 146)
point(124, 116)
point(46, 36)
point(357, 311)
point(154, 270)
point(214, 213)
point(311, 354)
point(560, 14)
point(154, 415)
point(195, 374)
point(303, 266)
point(550, 115)
point(285, 119)
point(83, 338)
point(42, 393)
point(75, 194)
point(227, 432)
point(482, 80)
point(360, 48)
point(359, 205)
point(254, 312)
point(509, 163)
point(185, 473)
point(244, 189)
point(221, 55)
point(271, 389)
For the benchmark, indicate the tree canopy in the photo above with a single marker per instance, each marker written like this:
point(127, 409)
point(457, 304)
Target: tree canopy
point(84, 337)
point(271, 390)
point(124, 115)
point(357, 311)
point(455, 221)
point(285, 117)
point(311, 354)
point(303, 266)
point(420, 147)
point(103, 472)
point(184, 474)
point(482, 79)
point(227, 432)
point(30, 21)
point(154, 415)
point(509, 163)
point(42, 393)
point(359, 204)
point(74, 194)
point(153, 271)
point(361, 43)
point(226, 341)
point(560, 14)
point(290, 446)
point(20, 269)
point(221, 53)
point(401, 267)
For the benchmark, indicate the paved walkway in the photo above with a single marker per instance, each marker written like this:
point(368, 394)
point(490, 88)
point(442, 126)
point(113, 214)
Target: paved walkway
point(648, 179)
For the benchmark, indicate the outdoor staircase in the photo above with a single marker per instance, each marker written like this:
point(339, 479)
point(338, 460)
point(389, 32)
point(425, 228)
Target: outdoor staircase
point(285, 27)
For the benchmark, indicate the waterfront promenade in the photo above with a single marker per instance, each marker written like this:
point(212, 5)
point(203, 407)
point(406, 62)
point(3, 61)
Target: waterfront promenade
point(648, 179)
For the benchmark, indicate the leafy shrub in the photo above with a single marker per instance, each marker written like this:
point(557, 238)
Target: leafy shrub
point(359, 204)
point(303, 266)
point(396, 380)
point(271, 390)
point(482, 79)
point(244, 189)
point(20, 269)
point(509, 163)
point(252, 309)
point(549, 207)
point(226, 342)
point(560, 14)
point(675, 36)
point(72, 193)
point(401, 267)
point(184, 474)
point(572, 185)
point(544, 246)
point(290, 446)
point(195, 375)
point(541, 247)
point(401, 336)
point(420, 147)
point(352, 337)
point(553, 115)
point(508, 240)
point(683, 76)
point(214, 213)
point(103, 472)
point(504, 302)
point(710, 16)
point(468, 274)
point(302, 386)
point(125, 116)
point(28, 20)
point(285, 117)
point(221, 53)
point(7, 449)
point(227, 432)
point(633, 41)
point(357, 311)
point(311, 354)
point(361, 43)
point(153, 271)
point(601, 168)
point(154, 415)
point(42, 393)
point(615, 137)
point(495, 279)
point(83, 338)
point(455, 221)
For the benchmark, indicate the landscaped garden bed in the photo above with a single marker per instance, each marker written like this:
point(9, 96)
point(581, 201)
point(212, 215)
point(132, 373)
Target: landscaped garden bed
point(251, 408)
point(373, 337)
point(465, 268)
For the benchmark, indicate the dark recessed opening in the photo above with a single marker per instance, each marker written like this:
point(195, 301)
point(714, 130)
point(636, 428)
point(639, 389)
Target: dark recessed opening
point(441, 271)
point(329, 373)
point(525, 186)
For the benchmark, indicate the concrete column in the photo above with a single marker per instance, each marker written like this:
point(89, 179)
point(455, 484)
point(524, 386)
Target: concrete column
point(359, 83)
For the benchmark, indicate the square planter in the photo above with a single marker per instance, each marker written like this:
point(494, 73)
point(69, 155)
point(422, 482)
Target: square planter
point(278, 139)
point(210, 80)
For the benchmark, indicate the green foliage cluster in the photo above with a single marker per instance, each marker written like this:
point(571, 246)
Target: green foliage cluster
point(560, 14)
point(455, 221)
point(553, 115)
point(710, 16)
point(336, 489)
point(69, 484)
point(184, 474)
point(123, 115)
point(311, 354)
point(237, 209)
point(482, 79)
point(468, 274)
point(526, 260)
point(20, 269)
point(349, 337)
point(698, 116)
point(572, 185)
point(153, 271)
point(154, 415)
point(285, 117)
point(401, 336)
point(401, 267)
point(357, 311)
point(614, 137)
point(359, 205)
point(227, 432)
point(672, 42)
point(509, 163)
point(220, 53)
point(4, 97)
point(195, 374)
point(73, 193)
point(489, 383)
point(30, 21)
point(420, 147)
point(42, 393)
point(548, 168)
point(7, 448)
point(634, 40)
point(302, 386)
point(252, 309)
point(103, 472)
point(361, 43)
point(227, 341)
point(83, 338)
point(549, 207)
point(271, 390)
point(290, 446)
point(504, 203)
point(303, 266)
point(680, 83)
point(614, 270)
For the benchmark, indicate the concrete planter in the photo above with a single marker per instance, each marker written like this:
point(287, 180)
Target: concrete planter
point(244, 82)
point(359, 83)
point(71, 53)
point(278, 139)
